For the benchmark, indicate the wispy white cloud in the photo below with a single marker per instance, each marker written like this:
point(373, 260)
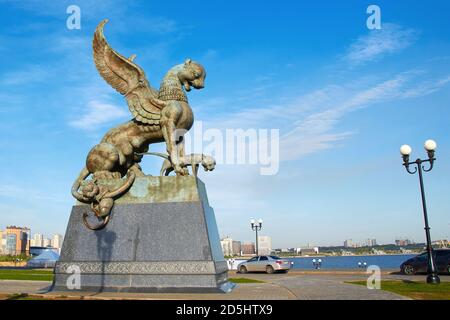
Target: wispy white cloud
point(390, 39)
point(315, 132)
point(98, 114)
point(425, 88)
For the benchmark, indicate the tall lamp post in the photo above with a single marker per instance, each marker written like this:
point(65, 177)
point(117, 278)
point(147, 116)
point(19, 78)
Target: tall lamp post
point(256, 226)
point(405, 150)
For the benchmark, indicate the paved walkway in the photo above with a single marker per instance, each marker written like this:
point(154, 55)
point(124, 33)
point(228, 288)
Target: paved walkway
point(248, 291)
point(326, 287)
point(23, 286)
point(294, 285)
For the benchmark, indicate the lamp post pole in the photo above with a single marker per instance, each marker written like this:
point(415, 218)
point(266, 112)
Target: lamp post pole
point(256, 226)
point(405, 150)
point(256, 243)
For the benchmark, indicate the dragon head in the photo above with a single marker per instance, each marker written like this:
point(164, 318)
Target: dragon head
point(208, 163)
point(192, 74)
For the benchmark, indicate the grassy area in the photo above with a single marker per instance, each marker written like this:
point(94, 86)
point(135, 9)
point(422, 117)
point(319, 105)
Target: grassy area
point(10, 258)
point(245, 280)
point(26, 274)
point(415, 290)
point(47, 275)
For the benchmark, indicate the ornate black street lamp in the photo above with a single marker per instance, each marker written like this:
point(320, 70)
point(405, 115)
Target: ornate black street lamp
point(405, 150)
point(317, 263)
point(256, 226)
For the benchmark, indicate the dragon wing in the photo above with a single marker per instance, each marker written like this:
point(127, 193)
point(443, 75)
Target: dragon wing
point(127, 78)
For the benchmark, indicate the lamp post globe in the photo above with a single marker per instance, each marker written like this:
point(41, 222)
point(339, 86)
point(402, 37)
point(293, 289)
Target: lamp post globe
point(430, 145)
point(405, 150)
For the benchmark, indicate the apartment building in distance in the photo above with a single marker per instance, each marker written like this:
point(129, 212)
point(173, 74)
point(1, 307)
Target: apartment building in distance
point(264, 245)
point(15, 240)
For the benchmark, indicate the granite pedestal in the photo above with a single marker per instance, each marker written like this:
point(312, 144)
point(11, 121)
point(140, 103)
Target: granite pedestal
point(162, 237)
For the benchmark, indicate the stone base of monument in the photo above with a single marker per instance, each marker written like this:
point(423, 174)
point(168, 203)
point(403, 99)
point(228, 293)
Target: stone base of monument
point(162, 237)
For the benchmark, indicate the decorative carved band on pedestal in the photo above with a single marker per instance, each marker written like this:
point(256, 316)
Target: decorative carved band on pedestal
point(170, 267)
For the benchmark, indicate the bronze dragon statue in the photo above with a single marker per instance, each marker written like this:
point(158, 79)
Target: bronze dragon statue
point(158, 116)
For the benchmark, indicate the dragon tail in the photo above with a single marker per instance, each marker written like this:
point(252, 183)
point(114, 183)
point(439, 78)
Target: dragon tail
point(83, 175)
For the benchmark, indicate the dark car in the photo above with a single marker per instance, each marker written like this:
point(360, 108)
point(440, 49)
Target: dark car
point(419, 263)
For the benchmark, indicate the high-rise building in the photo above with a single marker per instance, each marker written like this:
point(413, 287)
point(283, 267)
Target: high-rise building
point(403, 242)
point(47, 242)
point(348, 243)
point(264, 245)
point(237, 250)
point(227, 246)
point(57, 241)
point(17, 240)
point(2, 242)
point(38, 240)
point(248, 248)
point(371, 242)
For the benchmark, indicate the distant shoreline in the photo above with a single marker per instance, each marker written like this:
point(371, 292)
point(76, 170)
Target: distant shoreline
point(352, 255)
point(325, 256)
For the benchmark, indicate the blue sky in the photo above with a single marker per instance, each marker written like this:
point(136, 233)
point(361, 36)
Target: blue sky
point(344, 98)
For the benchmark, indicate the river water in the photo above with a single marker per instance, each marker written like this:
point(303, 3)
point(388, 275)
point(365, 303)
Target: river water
point(347, 262)
point(351, 262)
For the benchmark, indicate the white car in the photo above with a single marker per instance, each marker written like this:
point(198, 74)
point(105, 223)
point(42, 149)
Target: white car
point(268, 264)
